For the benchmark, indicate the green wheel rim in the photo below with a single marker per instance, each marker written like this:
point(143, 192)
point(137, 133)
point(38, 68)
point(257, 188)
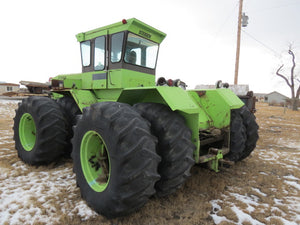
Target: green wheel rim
point(27, 132)
point(95, 161)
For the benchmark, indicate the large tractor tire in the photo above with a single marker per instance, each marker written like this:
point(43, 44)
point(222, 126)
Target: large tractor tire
point(174, 146)
point(39, 131)
point(70, 111)
point(243, 134)
point(114, 158)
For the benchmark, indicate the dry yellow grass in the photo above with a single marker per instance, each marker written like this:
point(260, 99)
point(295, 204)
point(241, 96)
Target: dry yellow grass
point(264, 186)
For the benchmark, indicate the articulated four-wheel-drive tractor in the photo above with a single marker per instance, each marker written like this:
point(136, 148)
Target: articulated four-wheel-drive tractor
point(130, 137)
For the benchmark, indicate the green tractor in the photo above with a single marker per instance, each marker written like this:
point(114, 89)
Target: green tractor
point(130, 137)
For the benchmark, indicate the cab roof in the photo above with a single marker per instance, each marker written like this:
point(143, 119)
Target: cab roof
point(133, 25)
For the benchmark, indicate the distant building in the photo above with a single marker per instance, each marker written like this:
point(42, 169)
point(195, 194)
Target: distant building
point(260, 96)
point(275, 98)
point(8, 87)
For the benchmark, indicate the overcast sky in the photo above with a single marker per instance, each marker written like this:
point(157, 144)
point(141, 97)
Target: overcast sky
point(38, 38)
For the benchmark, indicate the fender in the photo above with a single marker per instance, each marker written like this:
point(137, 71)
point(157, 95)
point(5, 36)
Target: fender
point(202, 109)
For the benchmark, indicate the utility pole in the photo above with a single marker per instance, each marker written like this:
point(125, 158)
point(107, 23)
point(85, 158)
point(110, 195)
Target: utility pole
point(238, 43)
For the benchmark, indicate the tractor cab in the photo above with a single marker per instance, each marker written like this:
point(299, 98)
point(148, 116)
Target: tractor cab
point(120, 55)
point(126, 51)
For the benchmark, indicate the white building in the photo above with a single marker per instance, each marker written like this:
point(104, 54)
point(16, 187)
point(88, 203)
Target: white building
point(8, 87)
point(275, 98)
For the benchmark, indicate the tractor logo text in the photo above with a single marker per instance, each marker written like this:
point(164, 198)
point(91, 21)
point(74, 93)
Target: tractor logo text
point(143, 33)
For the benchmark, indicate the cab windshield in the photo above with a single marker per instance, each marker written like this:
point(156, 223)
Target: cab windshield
point(140, 51)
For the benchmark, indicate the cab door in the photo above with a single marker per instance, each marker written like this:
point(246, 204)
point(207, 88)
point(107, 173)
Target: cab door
point(115, 60)
point(99, 77)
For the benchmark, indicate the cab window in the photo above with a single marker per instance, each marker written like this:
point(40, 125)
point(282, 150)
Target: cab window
point(99, 53)
point(140, 51)
point(116, 47)
point(85, 53)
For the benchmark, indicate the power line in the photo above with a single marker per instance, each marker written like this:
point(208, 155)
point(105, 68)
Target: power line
point(263, 44)
point(226, 20)
point(216, 35)
point(276, 7)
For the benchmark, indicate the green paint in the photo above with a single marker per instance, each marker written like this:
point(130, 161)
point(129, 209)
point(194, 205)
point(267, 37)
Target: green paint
point(27, 132)
point(83, 98)
point(214, 163)
point(123, 78)
point(216, 104)
point(133, 25)
point(95, 161)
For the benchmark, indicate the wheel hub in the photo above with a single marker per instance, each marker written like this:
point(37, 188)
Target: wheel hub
point(27, 132)
point(95, 161)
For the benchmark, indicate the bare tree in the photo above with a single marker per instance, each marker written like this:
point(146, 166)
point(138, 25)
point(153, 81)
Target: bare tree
point(290, 80)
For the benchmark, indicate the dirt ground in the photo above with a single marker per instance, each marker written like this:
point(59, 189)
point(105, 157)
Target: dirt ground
point(262, 189)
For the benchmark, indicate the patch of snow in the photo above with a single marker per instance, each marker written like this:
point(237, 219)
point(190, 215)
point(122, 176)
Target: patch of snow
point(219, 219)
point(292, 125)
point(84, 211)
point(241, 215)
point(259, 192)
point(244, 217)
point(250, 201)
point(284, 221)
point(293, 145)
point(293, 203)
point(216, 208)
point(288, 143)
point(26, 197)
point(10, 101)
point(263, 173)
point(276, 209)
point(278, 201)
point(3, 173)
point(268, 155)
point(291, 177)
point(253, 203)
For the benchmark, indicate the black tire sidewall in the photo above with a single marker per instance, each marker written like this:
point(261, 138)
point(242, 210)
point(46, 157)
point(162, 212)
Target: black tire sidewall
point(23, 154)
point(70, 112)
point(174, 146)
point(243, 134)
point(44, 111)
point(107, 134)
point(118, 125)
